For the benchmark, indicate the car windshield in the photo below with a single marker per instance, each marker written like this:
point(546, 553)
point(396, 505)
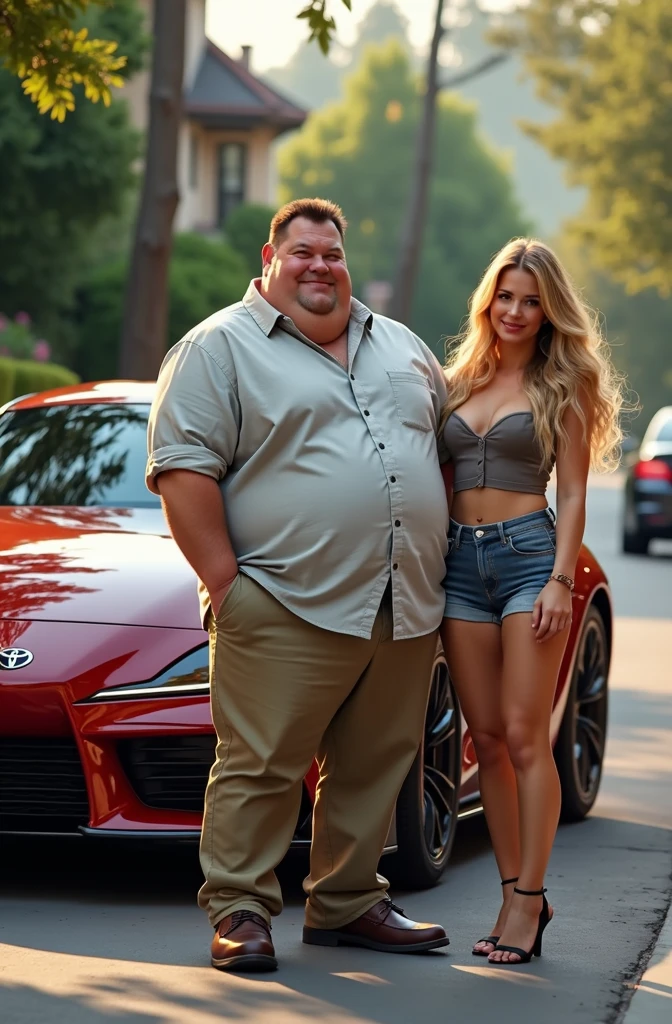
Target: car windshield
point(86, 455)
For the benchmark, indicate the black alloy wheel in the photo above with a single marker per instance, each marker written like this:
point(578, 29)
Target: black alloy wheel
point(428, 804)
point(580, 747)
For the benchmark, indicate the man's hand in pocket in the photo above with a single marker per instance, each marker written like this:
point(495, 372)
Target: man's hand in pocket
point(218, 594)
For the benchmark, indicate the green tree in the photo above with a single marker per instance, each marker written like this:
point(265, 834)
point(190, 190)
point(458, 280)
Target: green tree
point(204, 275)
point(607, 70)
point(57, 183)
point(360, 153)
point(45, 45)
point(247, 231)
point(638, 330)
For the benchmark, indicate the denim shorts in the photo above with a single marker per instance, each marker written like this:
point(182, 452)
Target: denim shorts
point(499, 568)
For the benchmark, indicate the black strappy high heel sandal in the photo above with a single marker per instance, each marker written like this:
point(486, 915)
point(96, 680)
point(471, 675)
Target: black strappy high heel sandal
point(544, 921)
point(493, 939)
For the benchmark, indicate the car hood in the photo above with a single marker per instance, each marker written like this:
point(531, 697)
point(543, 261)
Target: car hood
point(101, 565)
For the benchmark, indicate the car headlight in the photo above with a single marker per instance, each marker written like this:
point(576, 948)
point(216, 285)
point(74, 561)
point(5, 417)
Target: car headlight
point(186, 677)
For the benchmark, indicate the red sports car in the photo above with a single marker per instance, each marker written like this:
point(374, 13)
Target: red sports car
point(105, 725)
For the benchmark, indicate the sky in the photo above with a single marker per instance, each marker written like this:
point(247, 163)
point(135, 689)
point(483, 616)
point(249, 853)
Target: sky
point(274, 32)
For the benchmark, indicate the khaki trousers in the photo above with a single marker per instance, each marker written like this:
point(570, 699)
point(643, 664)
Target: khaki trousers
point(284, 691)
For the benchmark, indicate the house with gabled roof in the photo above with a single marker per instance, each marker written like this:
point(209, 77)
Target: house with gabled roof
point(230, 121)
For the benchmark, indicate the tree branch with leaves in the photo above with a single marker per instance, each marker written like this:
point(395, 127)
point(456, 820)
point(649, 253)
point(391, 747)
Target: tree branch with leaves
point(41, 43)
point(322, 25)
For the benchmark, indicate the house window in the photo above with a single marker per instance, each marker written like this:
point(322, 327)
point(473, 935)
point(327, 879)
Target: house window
point(193, 160)
point(231, 178)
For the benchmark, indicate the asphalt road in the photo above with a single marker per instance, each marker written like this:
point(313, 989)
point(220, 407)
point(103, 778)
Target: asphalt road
point(91, 934)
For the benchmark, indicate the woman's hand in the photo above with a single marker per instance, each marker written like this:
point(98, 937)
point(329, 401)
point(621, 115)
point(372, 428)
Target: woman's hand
point(552, 611)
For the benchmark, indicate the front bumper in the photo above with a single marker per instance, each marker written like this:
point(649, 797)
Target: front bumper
point(132, 767)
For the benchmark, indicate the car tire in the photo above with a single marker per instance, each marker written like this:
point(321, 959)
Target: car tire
point(635, 544)
point(579, 748)
point(427, 806)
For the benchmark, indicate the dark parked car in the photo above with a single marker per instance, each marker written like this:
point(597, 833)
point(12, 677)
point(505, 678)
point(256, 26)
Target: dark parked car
point(105, 727)
point(647, 510)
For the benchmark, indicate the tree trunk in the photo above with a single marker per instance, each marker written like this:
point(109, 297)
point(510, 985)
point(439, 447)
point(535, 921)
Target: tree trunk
point(416, 212)
point(143, 341)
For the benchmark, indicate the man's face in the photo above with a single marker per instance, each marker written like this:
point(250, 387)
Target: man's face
point(308, 270)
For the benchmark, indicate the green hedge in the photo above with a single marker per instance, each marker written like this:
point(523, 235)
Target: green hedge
point(205, 275)
point(23, 376)
point(247, 231)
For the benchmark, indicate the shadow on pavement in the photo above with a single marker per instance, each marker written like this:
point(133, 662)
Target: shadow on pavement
point(103, 872)
point(25, 1003)
point(120, 930)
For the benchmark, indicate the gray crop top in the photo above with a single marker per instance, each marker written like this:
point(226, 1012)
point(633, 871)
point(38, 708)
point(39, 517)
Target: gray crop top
point(508, 457)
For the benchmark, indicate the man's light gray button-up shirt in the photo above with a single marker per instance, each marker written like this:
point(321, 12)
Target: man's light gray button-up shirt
point(330, 477)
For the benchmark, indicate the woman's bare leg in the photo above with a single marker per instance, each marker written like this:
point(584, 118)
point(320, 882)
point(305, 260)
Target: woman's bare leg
point(529, 678)
point(474, 655)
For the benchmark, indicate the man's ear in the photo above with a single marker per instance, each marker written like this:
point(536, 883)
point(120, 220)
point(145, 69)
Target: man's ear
point(267, 254)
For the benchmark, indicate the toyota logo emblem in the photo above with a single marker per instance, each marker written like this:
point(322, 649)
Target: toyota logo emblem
point(15, 657)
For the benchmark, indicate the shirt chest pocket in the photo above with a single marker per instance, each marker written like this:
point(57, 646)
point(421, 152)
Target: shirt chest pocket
point(413, 398)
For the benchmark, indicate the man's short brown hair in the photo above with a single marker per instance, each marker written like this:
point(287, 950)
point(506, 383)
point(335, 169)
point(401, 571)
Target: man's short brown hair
point(317, 210)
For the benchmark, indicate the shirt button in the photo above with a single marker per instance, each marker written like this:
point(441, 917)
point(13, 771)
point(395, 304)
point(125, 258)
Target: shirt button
point(393, 479)
point(366, 412)
point(380, 444)
point(395, 566)
point(352, 376)
point(397, 522)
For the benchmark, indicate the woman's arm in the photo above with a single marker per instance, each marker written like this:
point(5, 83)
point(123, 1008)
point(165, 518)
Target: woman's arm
point(573, 463)
point(553, 610)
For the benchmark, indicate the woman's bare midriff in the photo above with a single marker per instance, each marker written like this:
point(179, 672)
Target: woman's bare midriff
point(492, 505)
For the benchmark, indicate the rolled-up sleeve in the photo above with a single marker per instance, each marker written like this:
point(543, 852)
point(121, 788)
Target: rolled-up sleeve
point(194, 421)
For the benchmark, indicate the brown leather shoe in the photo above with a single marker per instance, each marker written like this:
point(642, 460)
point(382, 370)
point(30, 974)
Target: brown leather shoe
point(242, 942)
point(384, 928)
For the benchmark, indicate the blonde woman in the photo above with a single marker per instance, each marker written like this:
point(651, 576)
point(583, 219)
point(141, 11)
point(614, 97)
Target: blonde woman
point(530, 387)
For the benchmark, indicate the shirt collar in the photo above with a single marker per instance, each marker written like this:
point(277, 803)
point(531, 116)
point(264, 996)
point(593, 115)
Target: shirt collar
point(266, 316)
point(361, 313)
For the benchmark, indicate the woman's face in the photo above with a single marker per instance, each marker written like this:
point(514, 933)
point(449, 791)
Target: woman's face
point(516, 312)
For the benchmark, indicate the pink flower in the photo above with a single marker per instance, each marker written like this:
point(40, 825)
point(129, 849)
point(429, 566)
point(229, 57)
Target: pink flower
point(3, 321)
point(42, 351)
point(23, 319)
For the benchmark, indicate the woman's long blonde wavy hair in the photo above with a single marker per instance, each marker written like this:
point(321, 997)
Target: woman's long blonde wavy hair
point(571, 366)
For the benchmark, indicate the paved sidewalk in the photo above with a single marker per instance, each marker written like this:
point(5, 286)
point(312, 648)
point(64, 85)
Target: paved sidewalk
point(652, 1001)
